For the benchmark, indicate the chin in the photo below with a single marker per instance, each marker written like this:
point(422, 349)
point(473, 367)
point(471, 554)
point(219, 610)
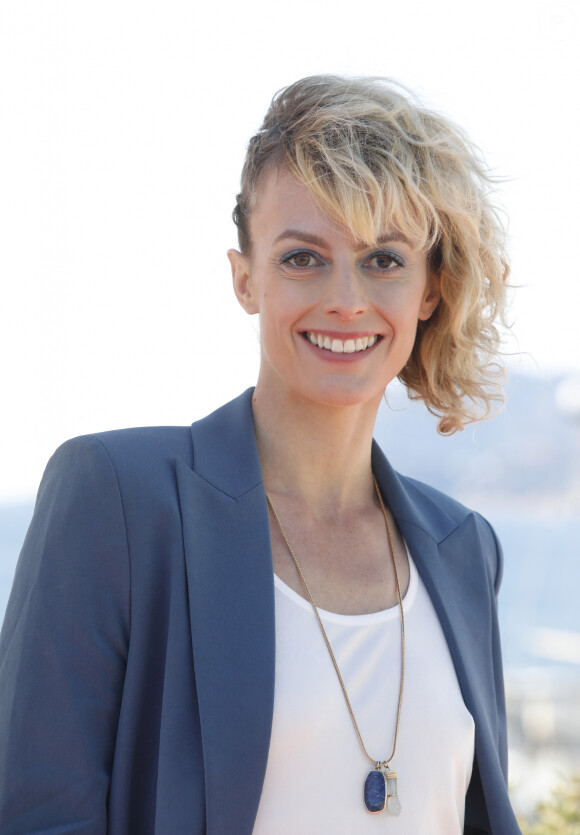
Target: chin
point(343, 396)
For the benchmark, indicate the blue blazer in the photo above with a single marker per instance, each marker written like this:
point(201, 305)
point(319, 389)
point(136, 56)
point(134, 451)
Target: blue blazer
point(137, 652)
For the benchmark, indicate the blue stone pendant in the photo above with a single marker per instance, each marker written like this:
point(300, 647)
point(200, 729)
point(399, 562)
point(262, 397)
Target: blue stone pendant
point(380, 791)
point(375, 791)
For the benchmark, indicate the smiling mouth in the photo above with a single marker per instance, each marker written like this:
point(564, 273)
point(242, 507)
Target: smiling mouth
point(341, 346)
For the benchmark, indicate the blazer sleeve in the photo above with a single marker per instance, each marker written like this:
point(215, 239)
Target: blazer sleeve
point(63, 650)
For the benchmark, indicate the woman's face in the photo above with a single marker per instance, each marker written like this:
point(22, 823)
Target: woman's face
point(337, 319)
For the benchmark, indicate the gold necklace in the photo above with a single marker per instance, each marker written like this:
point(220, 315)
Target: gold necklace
point(380, 788)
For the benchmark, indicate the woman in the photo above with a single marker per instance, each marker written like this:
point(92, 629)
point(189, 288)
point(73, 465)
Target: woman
point(157, 674)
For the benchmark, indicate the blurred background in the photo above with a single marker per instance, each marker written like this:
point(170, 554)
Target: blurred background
point(123, 127)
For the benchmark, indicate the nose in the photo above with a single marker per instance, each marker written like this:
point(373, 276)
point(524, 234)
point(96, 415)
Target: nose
point(345, 293)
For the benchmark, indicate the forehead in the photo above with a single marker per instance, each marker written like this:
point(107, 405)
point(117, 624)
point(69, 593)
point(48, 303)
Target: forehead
point(283, 204)
point(282, 197)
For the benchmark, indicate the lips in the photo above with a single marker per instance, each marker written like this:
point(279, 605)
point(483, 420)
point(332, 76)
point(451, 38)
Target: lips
point(341, 346)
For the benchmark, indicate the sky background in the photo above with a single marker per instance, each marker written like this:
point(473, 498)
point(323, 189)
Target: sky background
point(123, 128)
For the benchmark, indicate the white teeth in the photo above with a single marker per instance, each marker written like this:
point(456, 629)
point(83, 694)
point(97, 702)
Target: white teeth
point(339, 346)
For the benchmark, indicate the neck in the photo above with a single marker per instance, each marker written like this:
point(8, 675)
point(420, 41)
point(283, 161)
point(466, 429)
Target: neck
point(315, 454)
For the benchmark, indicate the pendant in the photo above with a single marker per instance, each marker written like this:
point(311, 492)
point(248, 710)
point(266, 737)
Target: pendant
point(380, 791)
point(393, 803)
point(375, 791)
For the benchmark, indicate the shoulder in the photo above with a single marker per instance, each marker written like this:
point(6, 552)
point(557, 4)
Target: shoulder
point(417, 503)
point(142, 450)
point(434, 501)
point(138, 465)
point(120, 445)
point(121, 480)
point(94, 477)
point(121, 453)
point(425, 512)
point(452, 519)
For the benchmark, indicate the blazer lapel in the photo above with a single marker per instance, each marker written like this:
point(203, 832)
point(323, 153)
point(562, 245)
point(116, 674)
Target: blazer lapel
point(458, 586)
point(231, 595)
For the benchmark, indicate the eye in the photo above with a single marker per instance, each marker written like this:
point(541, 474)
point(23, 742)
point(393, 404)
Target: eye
point(301, 259)
point(384, 262)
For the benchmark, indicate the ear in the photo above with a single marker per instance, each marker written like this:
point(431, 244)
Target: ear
point(242, 280)
point(432, 296)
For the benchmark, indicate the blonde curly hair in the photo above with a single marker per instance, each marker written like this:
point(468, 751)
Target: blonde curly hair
point(376, 160)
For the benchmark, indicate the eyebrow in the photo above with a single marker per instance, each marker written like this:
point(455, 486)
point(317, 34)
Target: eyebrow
point(316, 240)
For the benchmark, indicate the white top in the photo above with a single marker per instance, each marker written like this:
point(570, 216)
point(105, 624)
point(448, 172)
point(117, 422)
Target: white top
point(316, 769)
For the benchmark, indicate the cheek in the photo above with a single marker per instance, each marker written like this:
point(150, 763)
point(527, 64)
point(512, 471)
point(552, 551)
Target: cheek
point(401, 309)
point(283, 304)
point(410, 303)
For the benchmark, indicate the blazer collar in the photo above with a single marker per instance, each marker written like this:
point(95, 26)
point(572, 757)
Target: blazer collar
point(224, 448)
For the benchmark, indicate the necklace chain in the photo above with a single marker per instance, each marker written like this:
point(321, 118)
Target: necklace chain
point(379, 764)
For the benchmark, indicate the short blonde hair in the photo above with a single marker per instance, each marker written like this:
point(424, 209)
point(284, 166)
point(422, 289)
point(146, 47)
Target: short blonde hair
point(375, 160)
